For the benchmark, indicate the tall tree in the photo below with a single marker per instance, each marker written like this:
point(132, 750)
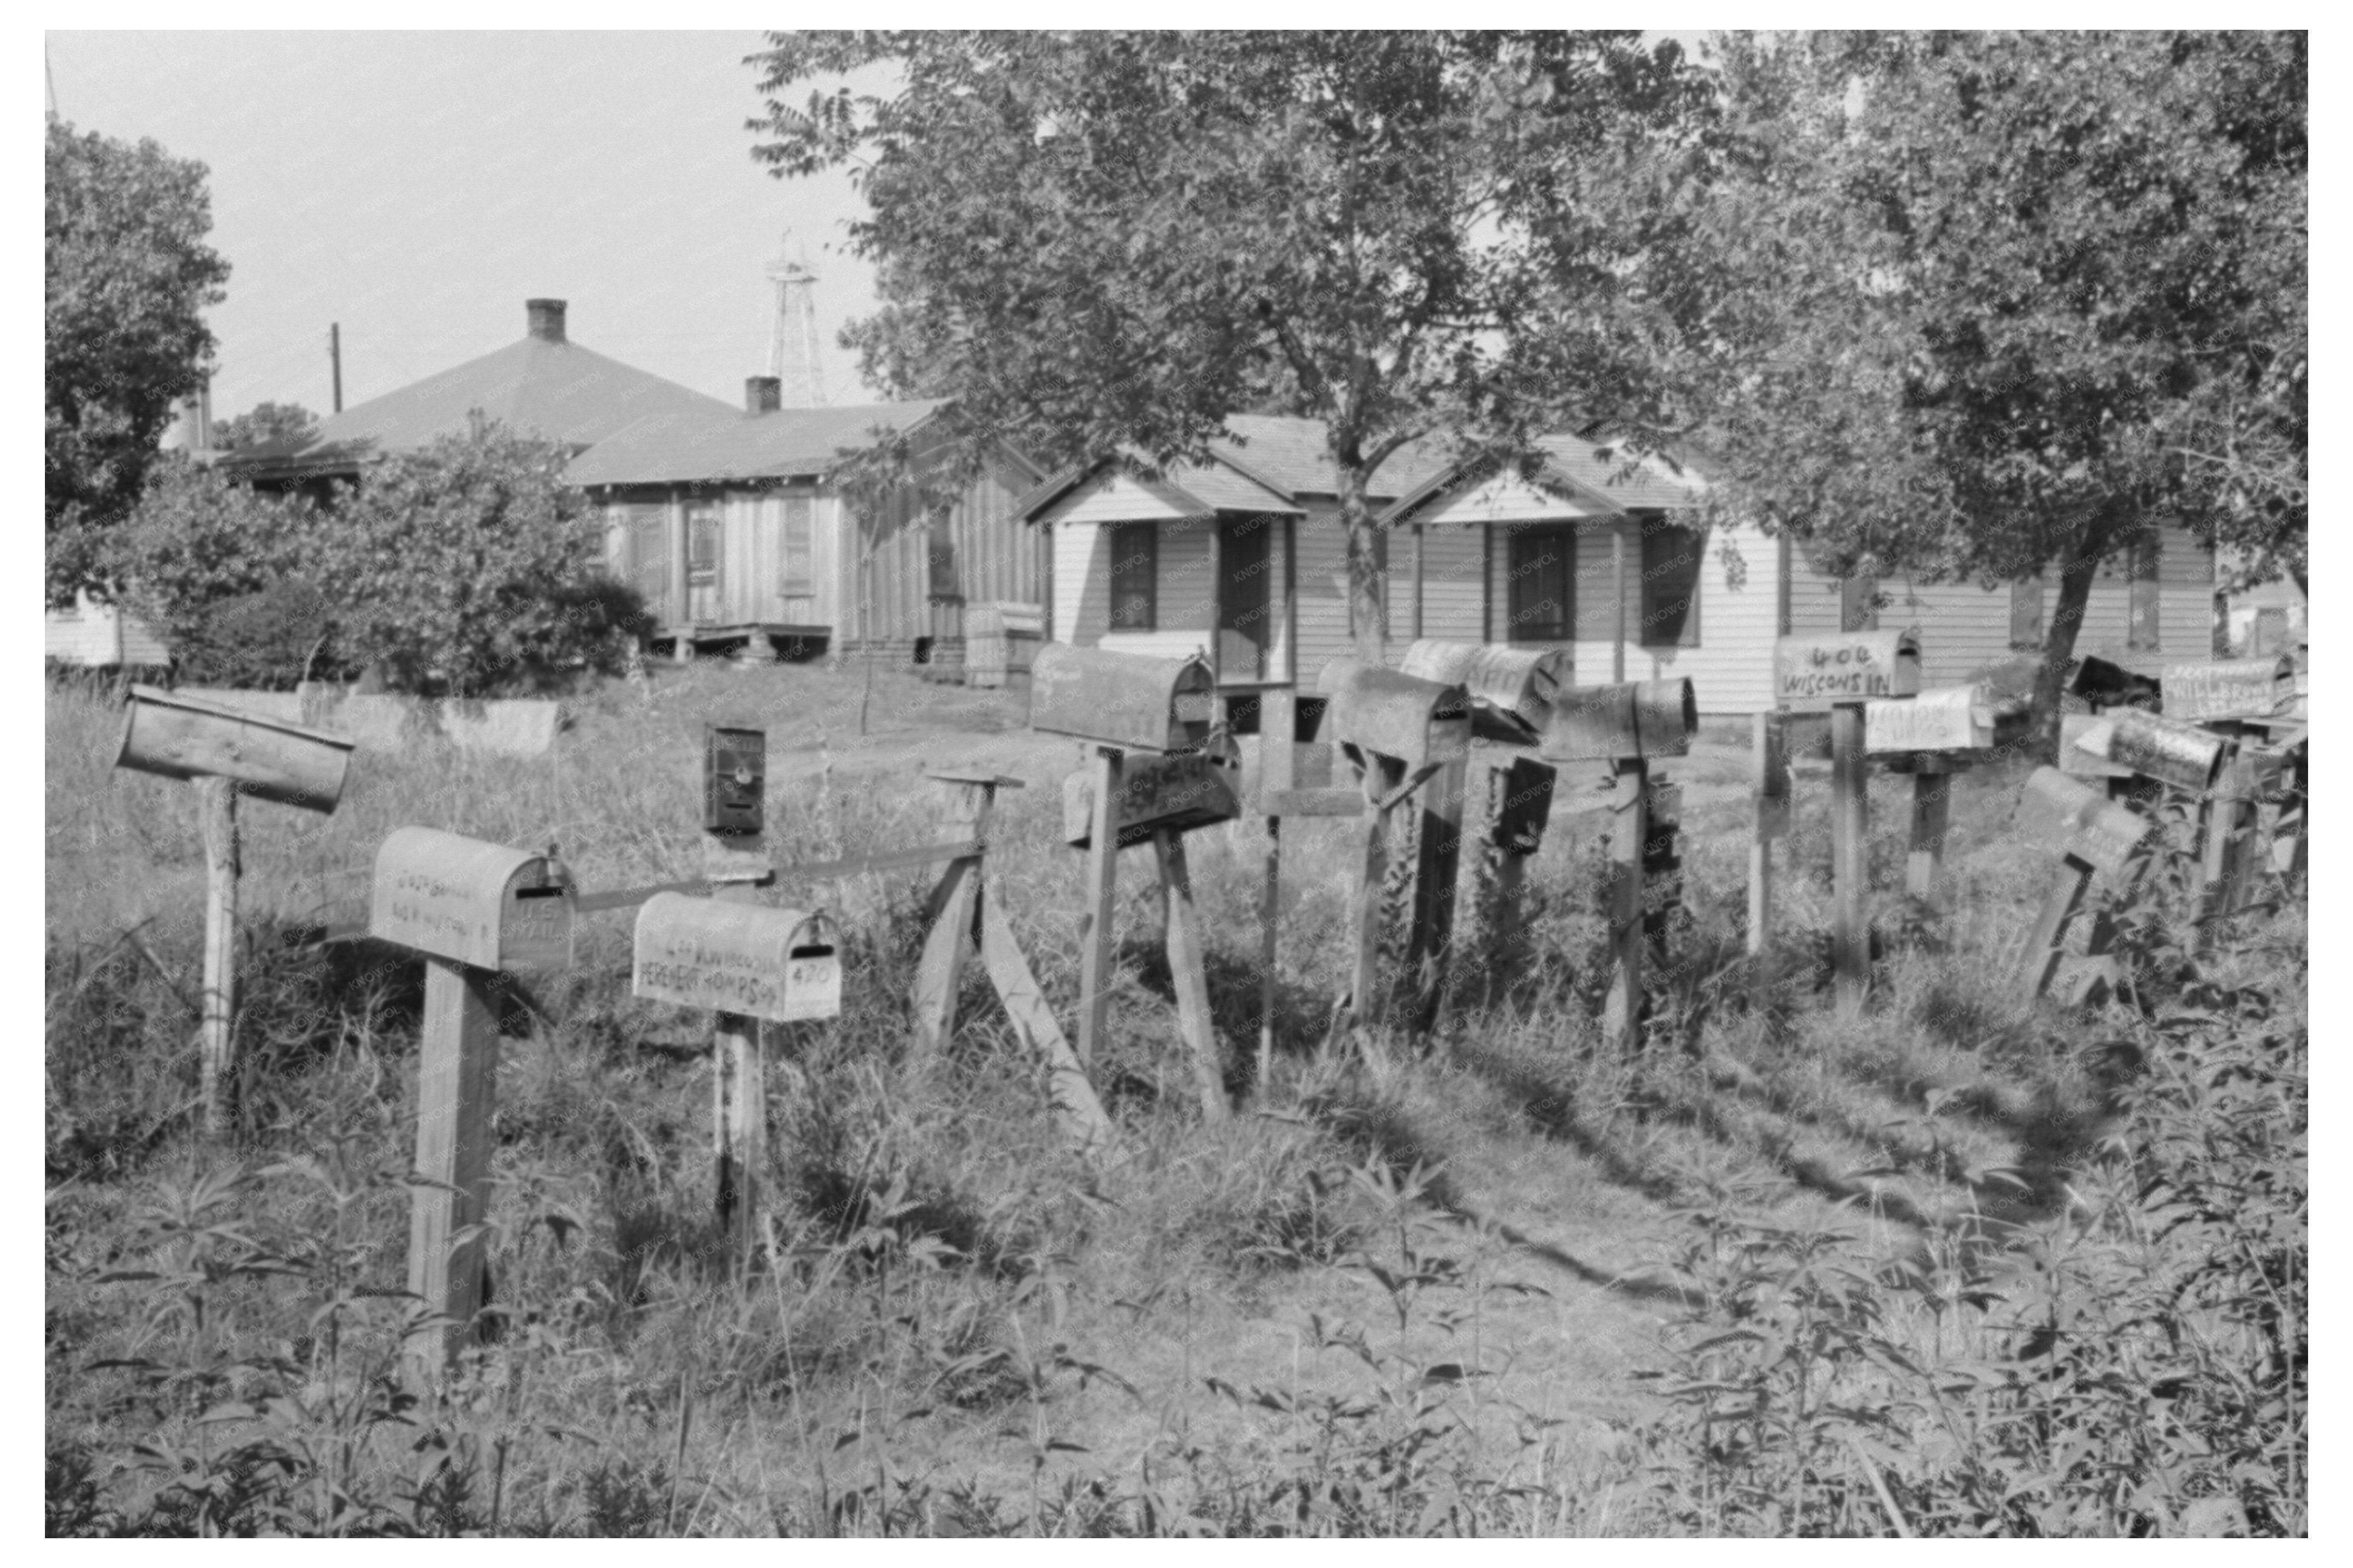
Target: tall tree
point(265, 424)
point(127, 277)
point(1995, 304)
point(1103, 243)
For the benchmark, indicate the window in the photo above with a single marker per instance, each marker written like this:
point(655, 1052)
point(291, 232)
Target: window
point(1541, 585)
point(1672, 555)
point(1134, 577)
point(940, 551)
point(797, 578)
point(702, 545)
point(2143, 633)
point(2026, 628)
point(1859, 601)
point(645, 555)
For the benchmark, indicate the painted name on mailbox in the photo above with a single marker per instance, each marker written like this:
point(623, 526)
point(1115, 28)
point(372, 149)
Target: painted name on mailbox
point(2248, 688)
point(1850, 671)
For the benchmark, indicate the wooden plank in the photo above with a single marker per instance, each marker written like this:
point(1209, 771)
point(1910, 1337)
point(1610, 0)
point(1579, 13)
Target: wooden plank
point(1932, 794)
point(1189, 975)
point(1438, 858)
point(1365, 907)
point(1621, 1014)
point(457, 1083)
point(2039, 960)
point(1095, 950)
point(1339, 802)
point(1269, 913)
point(1850, 865)
point(1071, 1095)
point(1772, 810)
point(939, 976)
point(739, 1117)
point(215, 1049)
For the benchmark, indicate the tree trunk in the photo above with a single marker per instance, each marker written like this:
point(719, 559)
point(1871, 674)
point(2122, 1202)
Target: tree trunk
point(1367, 623)
point(2058, 646)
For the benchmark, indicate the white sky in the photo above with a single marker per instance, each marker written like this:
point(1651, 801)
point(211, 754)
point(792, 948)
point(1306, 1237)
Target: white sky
point(418, 187)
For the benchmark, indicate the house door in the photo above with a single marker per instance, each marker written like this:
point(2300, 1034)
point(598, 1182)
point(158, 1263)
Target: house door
point(1245, 621)
point(702, 545)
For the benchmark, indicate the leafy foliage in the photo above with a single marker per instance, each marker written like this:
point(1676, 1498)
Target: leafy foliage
point(222, 573)
point(127, 275)
point(265, 424)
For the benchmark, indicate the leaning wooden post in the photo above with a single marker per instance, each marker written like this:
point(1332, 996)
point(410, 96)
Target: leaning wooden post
point(1769, 791)
point(228, 751)
point(1097, 952)
point(2089, 833)
point(735, 766)
point(1438, 858)
point(1515, 795)
point(1187, 973)
point(2230, 697)
point(1621, 1014)
point(954, 914)
point(1379, 779)
point(1932, 734)
point(473, 910)
point(1932, 793)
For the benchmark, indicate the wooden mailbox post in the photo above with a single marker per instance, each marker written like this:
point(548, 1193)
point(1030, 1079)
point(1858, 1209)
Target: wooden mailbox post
point(2090, 835)
point(1118, 703)
point(1769, 790)
point(1935, 735)
point(1398, 731)
point(229, 752)
point(2255, 705)
point(473, 910)
point(1628, 725)
point(1837, 675)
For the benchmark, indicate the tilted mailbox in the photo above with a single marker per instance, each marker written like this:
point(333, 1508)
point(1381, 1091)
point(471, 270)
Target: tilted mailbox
point(1946, 718)
point(1813, 674)
point(187, 737)
point(2069, 816)
point(1376, 712)
point(1631, 719)
point(783, 965)
point(1511, 689)
point(2232, 689)
point(470, 902)
point(1130, 701)
point(2167, 750)
point(1157, 794)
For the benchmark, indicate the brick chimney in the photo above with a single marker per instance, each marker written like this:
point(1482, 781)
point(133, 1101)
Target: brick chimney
point(762, 394)
point(546, 319)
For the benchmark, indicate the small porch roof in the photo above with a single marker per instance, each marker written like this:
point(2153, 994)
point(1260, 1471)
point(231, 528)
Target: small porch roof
point(1599, 478)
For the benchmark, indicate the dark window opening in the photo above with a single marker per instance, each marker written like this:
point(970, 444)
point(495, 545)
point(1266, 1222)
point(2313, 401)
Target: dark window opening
point(1540, 572)
point(2026, 628)
point(1134, 577)
point(1672, 555)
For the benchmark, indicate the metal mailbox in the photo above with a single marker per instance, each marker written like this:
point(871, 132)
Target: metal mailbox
point(1128, 700)
point(735, 780)
point(784, 965)
point(470, 902)
point(1631, 719)
point(187, 737)
point(1383, 713)
point(2232, 689)
point(1511, 689)
point(1191, 790)
point(1521, 805)
point(2078, 733)
point(2165, 749)
point(1813, 674)
point(1949, 718)
point(2067, 816)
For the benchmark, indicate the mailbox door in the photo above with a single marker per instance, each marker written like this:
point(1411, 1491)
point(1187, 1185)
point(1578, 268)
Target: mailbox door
point(735, 780)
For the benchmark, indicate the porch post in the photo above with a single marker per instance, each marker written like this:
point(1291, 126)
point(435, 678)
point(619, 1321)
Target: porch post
point(1618, 596)
point(674, 511)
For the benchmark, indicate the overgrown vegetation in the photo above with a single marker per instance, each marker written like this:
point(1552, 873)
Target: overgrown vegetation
point(1959, 1265)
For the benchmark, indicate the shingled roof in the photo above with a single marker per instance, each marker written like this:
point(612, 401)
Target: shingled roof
point(546, 386)
point(785, 443)
point(1282, 454)
point(1604, 471)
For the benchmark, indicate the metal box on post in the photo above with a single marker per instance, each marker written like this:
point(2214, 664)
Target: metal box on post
point(1376, 712)
point(1814, 675)
point(1619, 722)
point(1127, 700)
point(2167, 750)
point(2234, 689)
point(187, 737)
point(1511, 689)
point(1157, 794)
point(735, 780)
point(470, 902)
point(2069, 816)
point(1949, 718)
point(783, 965)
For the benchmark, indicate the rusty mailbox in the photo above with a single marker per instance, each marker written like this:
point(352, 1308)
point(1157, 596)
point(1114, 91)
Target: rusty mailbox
point(1157, 794)
point(735, 780)
point(1620, 723)
point(1947, 718)
point(1130, 701)
point(783, 965)
point(2231, 689)
point(2069, 816)
point(1814, 675)
point(470, 902)
point(2167, 750)
point(1511, 689)
point(1374, 712)
point(187, 737)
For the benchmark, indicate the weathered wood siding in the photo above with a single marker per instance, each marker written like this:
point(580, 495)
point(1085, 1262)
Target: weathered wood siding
point(1454, 596)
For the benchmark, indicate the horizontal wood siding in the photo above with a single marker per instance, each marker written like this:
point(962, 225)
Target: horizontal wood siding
point(1082, 584)
point(1453, 599)
point(1323, 576)
point(1731, 668)
point(82, 635)
point(1109, 497)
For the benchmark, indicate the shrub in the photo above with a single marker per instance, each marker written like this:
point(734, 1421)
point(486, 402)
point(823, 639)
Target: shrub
point(197, 543)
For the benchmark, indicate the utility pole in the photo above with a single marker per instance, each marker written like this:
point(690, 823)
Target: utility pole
point(335, 360)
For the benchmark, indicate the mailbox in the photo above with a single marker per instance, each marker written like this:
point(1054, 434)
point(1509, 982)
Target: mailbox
point(735, 780)
point(1631, 719)
point(1949, 718)
point(2107, 685)
point(2232, 689)
point(2078, 735)
point(1191, 790)
point(784, 965)
point(2067, 816)
point(1511, 689)
point(470, 902)
point(1128, 700)
point(2165, 749)
point(187, 737)
point(1520, 804)
point(1813, 674)
point(1376, 712)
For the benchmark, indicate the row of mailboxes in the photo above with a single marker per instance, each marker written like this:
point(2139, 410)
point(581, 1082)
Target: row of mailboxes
point(2067, 816)
point(1814, 675)
point(492, 907)
point(181, 736)
point(1372, 711)
point(1622, 723)
point(1130, 701)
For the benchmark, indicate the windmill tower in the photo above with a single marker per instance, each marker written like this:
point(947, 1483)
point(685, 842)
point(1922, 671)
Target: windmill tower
point(792, 335)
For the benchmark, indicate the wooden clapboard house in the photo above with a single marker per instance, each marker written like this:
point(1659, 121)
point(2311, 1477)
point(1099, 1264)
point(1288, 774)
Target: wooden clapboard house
point(733, 530)
point(1587, 548)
